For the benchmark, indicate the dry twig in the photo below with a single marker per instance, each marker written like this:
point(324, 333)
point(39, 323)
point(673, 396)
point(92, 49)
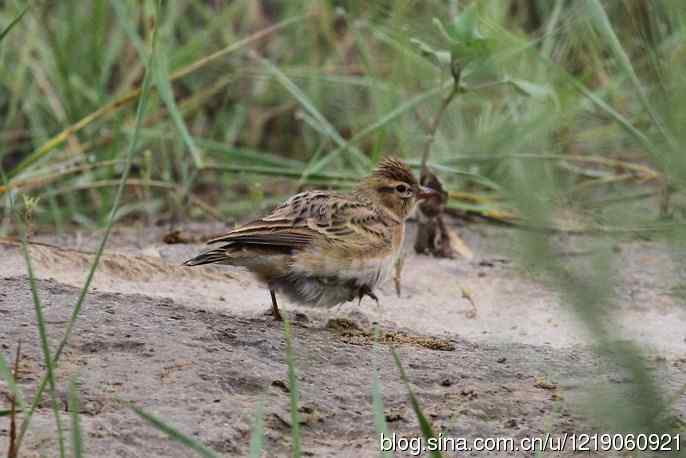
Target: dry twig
point(433, 235)
point(12, 452)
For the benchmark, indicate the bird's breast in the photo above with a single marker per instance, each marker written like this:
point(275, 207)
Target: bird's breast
point(366, 267)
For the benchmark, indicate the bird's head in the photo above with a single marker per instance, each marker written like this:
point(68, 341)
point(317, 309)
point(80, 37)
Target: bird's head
point(393, 186)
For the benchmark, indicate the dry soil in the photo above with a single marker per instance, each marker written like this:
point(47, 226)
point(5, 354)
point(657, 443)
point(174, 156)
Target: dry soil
point(192, 345)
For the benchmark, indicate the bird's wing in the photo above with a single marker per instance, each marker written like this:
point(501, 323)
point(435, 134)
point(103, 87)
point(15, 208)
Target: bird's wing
point(315, 216)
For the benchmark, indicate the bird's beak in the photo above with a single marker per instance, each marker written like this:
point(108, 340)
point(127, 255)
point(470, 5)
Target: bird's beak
point(426, 193)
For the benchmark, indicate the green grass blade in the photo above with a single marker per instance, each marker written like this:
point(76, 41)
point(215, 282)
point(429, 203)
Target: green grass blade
point(14, 22)
point(424, 424)
point(549, 36)
point(45, 348)
point(403, 108)
point(253, 156)
point(280, 172)
point(595, 99)
point(140, 111)
point(484, 181)
point(129, 28)
point(175, 434)
point(362, 162)
point(397, 112)
point(377, 398)
point(305, 175)
point(293, 390)
point(257, 433)
point(40, 320)
point(618, 117)
point(598, 14)
point(161, 75)
point(118, 196)
point(76, 439)
point(6, 374)
point(131, 95)
point(160, 72)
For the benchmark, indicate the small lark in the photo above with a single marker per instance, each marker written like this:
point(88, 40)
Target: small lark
point(323, 248)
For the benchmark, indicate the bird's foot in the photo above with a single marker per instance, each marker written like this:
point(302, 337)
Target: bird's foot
point(277, 315)
point(367, 291)
point(275, 307)
point(274, 314)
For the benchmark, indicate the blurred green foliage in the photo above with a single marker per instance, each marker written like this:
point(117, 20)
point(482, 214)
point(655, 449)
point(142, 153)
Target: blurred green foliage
point(585, 95)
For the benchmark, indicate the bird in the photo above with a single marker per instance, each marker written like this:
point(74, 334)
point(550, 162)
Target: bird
point(324, 248)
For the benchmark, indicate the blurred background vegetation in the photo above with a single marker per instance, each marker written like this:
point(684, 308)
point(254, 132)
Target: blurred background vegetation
point(255, 99)
point(568, 118)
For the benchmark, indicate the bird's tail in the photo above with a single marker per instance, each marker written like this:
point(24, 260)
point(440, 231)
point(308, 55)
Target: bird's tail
point(209, 257)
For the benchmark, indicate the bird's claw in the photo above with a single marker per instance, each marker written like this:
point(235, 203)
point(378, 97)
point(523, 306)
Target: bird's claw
point(367, 291)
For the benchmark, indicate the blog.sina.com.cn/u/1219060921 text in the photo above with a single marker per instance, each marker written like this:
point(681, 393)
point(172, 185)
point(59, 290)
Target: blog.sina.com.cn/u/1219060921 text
point(596, 442)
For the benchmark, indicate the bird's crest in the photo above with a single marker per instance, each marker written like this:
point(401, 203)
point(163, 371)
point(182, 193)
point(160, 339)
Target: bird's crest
point(394, 169)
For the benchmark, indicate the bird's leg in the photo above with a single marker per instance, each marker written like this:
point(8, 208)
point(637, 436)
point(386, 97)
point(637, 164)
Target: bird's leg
point(275, 308)
point(367, 291)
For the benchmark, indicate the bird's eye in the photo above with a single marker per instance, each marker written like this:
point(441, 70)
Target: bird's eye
point(401, 188)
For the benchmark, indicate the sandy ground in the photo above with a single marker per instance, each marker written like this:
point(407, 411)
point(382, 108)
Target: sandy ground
point(192, 345)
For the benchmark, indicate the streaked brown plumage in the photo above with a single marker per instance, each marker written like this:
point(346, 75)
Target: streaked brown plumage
point(323, 248)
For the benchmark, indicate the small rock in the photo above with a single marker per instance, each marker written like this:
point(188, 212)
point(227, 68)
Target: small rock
point(393, 416)
point(301, 318)
point(542, 384)
point(511, 423)
point(282, 385)
point(501, 360)
point(309, 415)
point(342, 324)
point(446, 382)
point(469, 393)
point(306, 409)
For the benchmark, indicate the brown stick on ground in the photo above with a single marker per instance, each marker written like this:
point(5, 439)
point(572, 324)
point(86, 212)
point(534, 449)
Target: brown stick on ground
point(432, 233)
point(12, 452)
